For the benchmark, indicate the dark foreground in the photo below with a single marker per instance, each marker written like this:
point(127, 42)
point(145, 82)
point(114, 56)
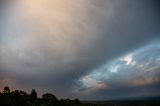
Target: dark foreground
point(124, 103)
point(21, 98)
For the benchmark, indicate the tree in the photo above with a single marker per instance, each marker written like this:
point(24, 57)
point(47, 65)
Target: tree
point(49, 100)
point(17, 99)
point(23, 93)
point(49, 96)
point(6, 89)
point(33, 94)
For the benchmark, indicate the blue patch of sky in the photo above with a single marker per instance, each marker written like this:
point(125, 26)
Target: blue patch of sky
point(128, 66)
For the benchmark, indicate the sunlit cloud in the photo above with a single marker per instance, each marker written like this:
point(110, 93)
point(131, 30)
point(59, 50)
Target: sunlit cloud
point(145, 81)
point(124, 72)
point(93, 84)
point(128, 59)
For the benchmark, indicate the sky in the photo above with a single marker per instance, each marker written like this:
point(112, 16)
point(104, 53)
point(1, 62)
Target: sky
point(86, 49)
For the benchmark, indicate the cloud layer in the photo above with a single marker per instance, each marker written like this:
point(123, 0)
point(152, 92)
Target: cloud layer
point(54, 43)
point(136, 74)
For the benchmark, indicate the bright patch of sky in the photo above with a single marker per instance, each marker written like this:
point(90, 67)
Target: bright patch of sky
point(128, 59)
point(144, 62)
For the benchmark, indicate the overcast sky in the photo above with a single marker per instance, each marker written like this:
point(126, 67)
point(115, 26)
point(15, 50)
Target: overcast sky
point(86, 49)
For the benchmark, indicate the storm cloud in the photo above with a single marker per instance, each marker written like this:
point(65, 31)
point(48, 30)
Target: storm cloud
point(49, 44)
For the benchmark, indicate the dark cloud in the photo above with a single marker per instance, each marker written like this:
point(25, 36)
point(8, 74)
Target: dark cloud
point(52, 45)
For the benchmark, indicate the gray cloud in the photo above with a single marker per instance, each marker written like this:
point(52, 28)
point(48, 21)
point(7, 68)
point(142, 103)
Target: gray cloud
point(54, 43)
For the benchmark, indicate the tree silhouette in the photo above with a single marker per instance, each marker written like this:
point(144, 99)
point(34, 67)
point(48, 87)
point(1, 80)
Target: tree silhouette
point(21, 98)
point(33, 94)
point(49, 100)
point(6, 89)
point(17, 99)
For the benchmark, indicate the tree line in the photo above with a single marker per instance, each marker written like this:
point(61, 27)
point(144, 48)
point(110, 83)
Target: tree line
point(21, 98)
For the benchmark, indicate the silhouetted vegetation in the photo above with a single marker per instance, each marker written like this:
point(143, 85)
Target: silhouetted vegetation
point(21, 98)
